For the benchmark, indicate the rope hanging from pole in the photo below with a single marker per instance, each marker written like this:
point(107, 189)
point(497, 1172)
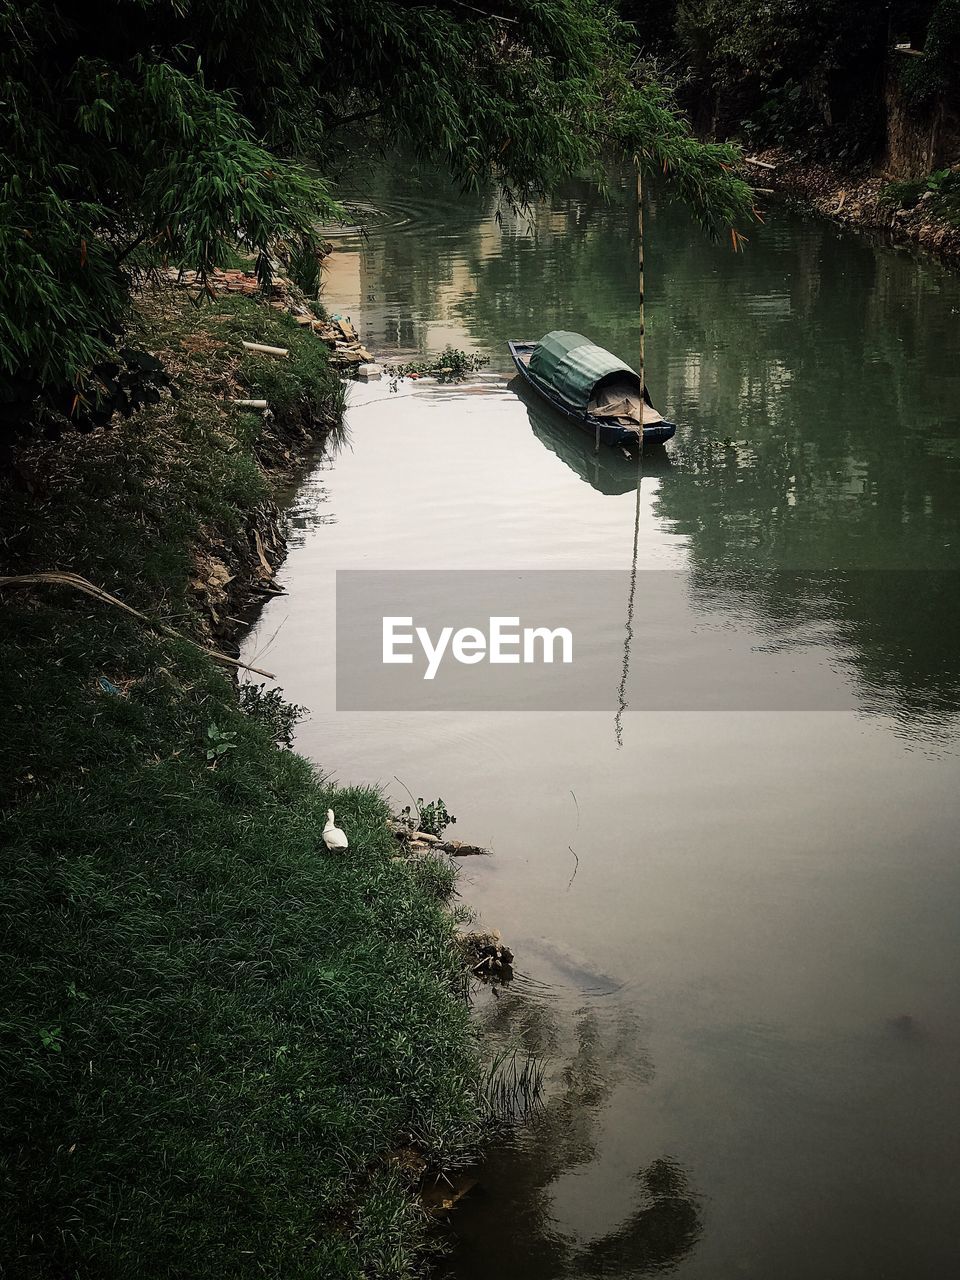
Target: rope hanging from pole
point(631, 598)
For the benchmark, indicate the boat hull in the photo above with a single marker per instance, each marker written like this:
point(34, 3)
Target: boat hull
point(656, 433)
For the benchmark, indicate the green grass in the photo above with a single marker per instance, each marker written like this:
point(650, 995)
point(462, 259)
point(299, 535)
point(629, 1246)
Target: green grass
point(215, 1035)
point(128, 506)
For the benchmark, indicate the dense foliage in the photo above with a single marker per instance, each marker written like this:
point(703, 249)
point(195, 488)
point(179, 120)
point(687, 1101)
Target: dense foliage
point(139, 133)
point(805, 74)
point(938, 71)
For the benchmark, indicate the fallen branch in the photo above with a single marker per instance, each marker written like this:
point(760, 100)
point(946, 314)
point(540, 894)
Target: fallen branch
point(81, 584)
point(761, 164)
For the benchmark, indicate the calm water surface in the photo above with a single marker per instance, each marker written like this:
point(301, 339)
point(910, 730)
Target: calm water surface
point(747, 996)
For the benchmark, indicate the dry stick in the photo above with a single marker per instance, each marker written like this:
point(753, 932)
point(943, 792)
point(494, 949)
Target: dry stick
point(410, 794)
point(265, 648)
point(576, 860)
point(81, 584)
point(576, 866)
point(495, 17)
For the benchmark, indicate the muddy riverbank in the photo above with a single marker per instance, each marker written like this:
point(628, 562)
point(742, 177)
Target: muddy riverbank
point(859, 200)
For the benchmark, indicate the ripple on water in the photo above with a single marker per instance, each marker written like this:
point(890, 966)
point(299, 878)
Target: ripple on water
point(413, 214)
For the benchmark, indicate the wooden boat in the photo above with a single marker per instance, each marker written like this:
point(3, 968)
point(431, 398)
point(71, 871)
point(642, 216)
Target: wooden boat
point(591, 386)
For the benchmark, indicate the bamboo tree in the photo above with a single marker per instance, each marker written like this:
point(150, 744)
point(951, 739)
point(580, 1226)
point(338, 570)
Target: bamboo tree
point(141, 133)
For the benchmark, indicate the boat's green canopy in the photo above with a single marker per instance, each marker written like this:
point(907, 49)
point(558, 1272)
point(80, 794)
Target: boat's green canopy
point(573, 366)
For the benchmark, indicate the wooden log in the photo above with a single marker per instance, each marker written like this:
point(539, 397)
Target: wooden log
point(263, 349)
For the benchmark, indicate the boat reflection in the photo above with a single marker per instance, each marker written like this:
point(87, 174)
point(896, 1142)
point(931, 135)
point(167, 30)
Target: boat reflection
point(609, 471)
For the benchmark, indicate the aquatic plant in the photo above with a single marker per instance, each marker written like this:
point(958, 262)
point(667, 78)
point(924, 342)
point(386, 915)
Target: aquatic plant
point(450, 366)
point(433, 818)
point(513, 1086)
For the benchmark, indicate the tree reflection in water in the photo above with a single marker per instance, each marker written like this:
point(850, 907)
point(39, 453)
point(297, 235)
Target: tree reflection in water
point(597, 1049)
point(664, 1227)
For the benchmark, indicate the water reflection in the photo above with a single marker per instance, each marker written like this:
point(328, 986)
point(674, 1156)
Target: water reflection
point(595, 1050)
point(665, 1226)
point(607, 471)
point(814, 379)
point(777, 893)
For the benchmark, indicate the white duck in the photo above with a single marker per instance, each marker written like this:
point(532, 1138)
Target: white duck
point(333, 836)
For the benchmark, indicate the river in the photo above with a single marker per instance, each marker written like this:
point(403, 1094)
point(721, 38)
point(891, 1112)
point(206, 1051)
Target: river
point(737, 928)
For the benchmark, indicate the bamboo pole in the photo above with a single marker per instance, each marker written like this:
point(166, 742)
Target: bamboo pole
point(642, 325)
point(631, 597)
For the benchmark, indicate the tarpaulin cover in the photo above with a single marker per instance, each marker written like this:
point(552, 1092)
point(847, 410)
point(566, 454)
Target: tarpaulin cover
point(572, 366)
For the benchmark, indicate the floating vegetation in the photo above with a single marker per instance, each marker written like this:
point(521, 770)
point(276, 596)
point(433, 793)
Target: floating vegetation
point(450, 366)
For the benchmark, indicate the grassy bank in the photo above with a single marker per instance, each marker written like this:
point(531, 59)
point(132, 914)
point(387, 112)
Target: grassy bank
point(216, 1036)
